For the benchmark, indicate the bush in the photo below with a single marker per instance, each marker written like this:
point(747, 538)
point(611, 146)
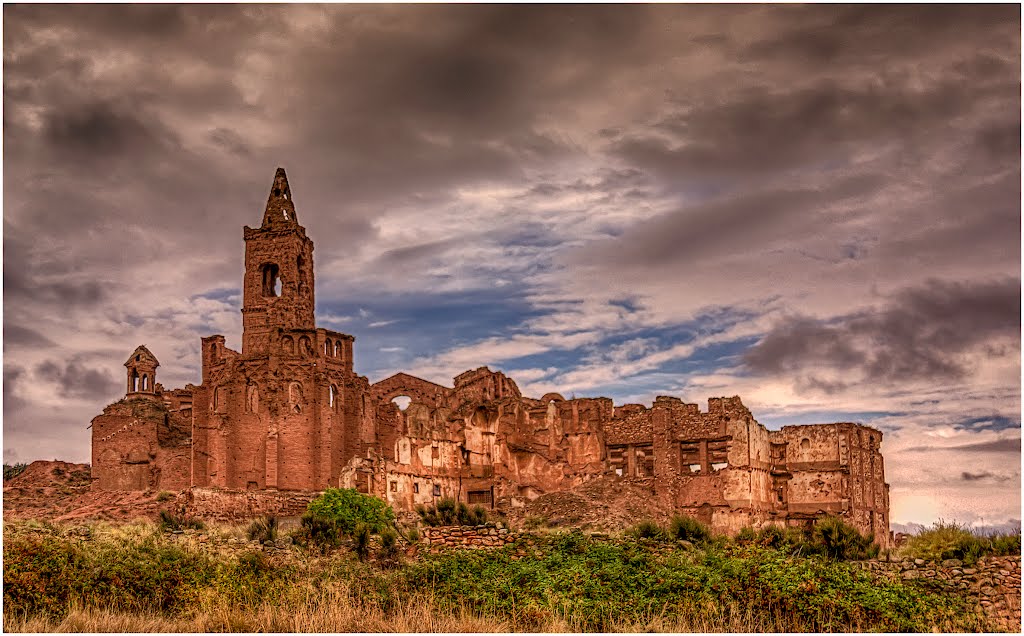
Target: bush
point(688, 529)
point(945, 540)
point(318, 532)
point(534, 521)
point(12, 471)
point(448, 512)
point(164, 495)
point(746, 535)
point(412, 535)
point(389, 553)
point(362, 541)
point(647, 529)
point(263, 529)
point(838, 540)
point(1006, 544)
point(170, 522)
point(347, 508)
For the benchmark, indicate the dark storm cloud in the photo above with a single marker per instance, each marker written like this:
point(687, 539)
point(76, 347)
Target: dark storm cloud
point(994, 446)
point(416, 253)
point(77, 380)
point(689, 234)
point(983, 476)
point(17, 336)
point(13, 375)
point(67, 294)
point(921, 334)
point(103, 131)
point(763, 130)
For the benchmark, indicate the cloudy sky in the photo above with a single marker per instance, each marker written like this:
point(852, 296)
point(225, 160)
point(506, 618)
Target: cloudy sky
point(815, 208)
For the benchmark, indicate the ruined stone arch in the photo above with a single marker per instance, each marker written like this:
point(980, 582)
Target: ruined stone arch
point(337, 348)
point(419, 390)
point(145, 382)
point(328, 347)
point(304, 347)
point(133, 382)
point(288, 344)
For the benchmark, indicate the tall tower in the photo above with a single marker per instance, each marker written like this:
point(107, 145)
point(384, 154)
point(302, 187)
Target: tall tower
point(278, 286)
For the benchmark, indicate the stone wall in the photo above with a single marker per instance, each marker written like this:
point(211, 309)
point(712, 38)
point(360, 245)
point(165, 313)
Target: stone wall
point(473, 537)
point(234, 505)
point(993, 583)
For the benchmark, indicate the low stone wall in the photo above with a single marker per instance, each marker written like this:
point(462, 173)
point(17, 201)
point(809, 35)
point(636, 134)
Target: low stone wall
point(237, 505)
point(993, 583)
point(473, 537)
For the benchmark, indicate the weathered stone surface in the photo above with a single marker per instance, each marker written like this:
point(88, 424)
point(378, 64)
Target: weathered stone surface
point(289, 413)
point(999, 599)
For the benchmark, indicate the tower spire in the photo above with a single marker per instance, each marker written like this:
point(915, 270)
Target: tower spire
point(280, 212)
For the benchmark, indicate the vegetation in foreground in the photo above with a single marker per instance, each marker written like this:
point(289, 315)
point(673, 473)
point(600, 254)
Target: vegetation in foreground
point(137, 577)
point(332, 577)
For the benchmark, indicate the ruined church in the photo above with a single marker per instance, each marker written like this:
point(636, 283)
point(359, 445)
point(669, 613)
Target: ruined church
point(289, 413)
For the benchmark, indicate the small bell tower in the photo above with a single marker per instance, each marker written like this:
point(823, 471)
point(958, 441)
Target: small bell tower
point(141, 367)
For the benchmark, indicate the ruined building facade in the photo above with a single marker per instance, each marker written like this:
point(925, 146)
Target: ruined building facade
point(288, 412)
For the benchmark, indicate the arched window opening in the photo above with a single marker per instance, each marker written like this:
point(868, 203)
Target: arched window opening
point(295, 397)
point(145, 382)
point(337, 349)
point(288, 344)
point(333, 396)
point(219, 401)
point(402, 402)
point(328, 347)
point(252, 398)
point(271, 280)
point(304, 346)
point(133, 384)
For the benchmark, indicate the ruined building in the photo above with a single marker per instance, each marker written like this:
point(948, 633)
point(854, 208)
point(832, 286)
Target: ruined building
point(289, 413)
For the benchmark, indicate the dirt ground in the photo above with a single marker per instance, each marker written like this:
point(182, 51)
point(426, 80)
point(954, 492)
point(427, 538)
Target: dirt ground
point(603, 504)
point(59, 491)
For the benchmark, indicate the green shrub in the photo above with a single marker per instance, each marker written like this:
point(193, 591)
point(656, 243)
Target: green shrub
point(317, 532)
point(688, 529)
point(170, 522)
point(348, 508)
point(950, 540)
point(746, 535)
point(389, 552)
point(647, 529)
point(412, 535)
point(263, 529)
point(1006, 544)
point(534, 521)
point(836, 539)
point(164, 495)
point(12, 471)
point(362, 540)
point(448, 512)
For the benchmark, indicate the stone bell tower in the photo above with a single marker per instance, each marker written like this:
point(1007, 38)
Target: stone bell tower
point(278, 286)
point(141, 367)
